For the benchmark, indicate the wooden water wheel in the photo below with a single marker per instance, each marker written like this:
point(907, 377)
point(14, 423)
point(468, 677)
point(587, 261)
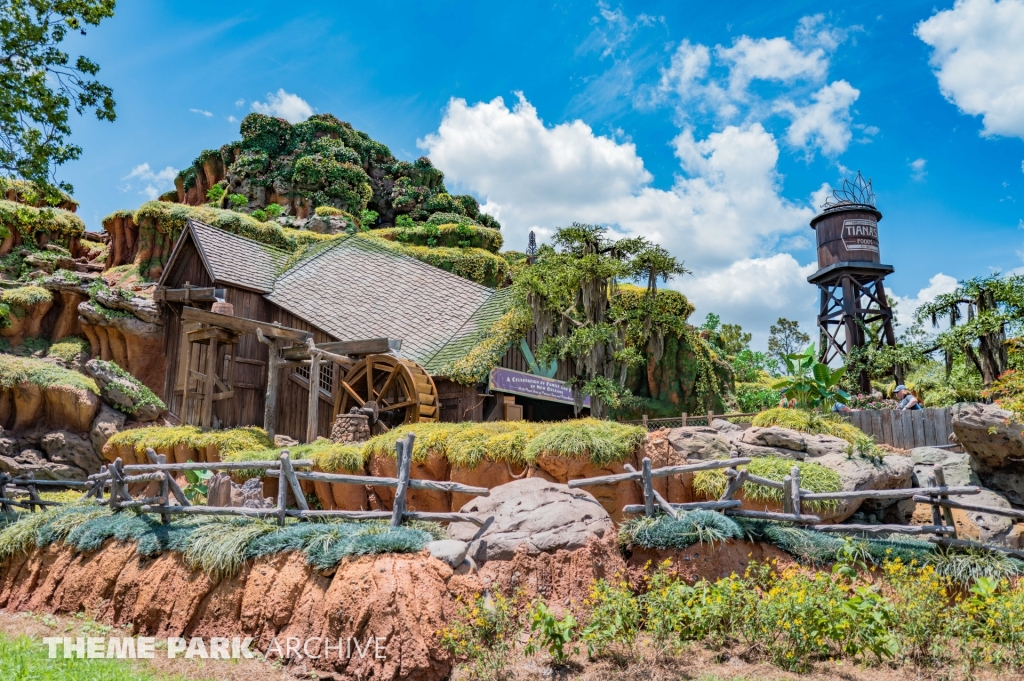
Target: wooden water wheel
point(401, 388)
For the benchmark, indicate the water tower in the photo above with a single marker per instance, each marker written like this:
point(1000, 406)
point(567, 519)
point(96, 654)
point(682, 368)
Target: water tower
point(854, 311)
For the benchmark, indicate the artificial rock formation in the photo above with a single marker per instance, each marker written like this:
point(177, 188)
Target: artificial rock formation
point(121, 392)
point(996, 445)
point(536, 514)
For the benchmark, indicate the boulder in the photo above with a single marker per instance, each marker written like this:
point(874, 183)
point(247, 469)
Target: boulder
point(982, 527)
point(222, 492)
point(121, 392)
point(70, 449)
point(956, 466)
point(34, 461)
point(541, 516)
point(450, 551)
point(699, 442)
point(723, 426)
point(107, 422)
point(70, 408)
point(562, 469)
point(989, 435)
point(858, 474)
point(787, 443)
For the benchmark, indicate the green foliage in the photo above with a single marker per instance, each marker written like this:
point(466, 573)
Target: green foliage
point(23, 659)
point(810, 383)
point(22, 299)
point(215, 193)
point(482, 635)
point(785, 338)
point(446, 235)
point(474, 264)
point(602, 442)
point(569, 289)
point(227, 442)
point(613, 616)
point(237, 200)
point(70, 348)
point(61, 225)
point(490, 346)
point(15, 370)
point(139, 394)
point(327, 456)
point(197, 486)
point(404, 221)
point(259, 214)
point(273, 211)
point(548, 632)
point(327, 211)
point(368, 217)
point(811, 422)
point(42, 83)
point(813, 477)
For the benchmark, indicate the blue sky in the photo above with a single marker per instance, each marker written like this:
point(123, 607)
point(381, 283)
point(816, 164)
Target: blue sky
point(709, 127)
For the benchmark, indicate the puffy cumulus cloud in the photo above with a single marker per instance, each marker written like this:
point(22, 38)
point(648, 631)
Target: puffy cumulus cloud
point(702, 80)
point(724, 209)
point(917, 169)
point(906, 305)
point(292, 108)
point(149, 183)
point(825, 123)
point(756, 292)
point(977, 60)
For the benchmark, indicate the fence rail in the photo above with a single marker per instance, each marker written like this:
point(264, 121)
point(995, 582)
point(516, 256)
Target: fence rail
point(117, 478)
point(685, 419)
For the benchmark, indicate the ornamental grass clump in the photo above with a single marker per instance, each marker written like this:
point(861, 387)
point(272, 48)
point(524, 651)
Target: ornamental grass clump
point(602, 442)
point(227, 442)
point(326, 456)
point(813, 477)
point(15, 370)
point(810, 422)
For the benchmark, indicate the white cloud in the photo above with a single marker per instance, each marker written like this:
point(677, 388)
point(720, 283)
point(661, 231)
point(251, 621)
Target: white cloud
point(826, 122)
point(689, 66)
point(202, 112)
point(155, 183)
point(770, 59)
point(239, 103)
point(918, 172)
point(232, 119)
point(723, 211)
point(977, 60)
point(905, 306)
point(290, 107)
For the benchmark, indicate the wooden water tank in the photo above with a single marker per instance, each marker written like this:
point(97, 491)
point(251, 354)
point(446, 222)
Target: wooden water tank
point(847, 233)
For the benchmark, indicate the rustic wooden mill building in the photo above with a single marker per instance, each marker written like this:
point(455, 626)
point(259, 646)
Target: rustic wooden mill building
point(364, 321)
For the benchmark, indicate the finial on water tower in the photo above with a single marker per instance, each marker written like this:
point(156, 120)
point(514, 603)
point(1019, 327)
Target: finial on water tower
point(531, 246)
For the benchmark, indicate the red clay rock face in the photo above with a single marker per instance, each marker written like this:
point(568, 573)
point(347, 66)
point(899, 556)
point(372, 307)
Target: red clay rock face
point(704, 561)
point(25, 405)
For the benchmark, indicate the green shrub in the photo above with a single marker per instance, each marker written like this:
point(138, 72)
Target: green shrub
point(20, 300)
point(404, 221)
point(368, 217)
point(811, 422)
point(613, 617)
point(327, 211)
point(813, 477)
point(259, 214)
point(274, 211)
point(215, 193)
point(548, 632)
point(483, 634)
point(326, 455)
point(602, 442)
point(70, 348)
point(238, 200)
point(445, 235)
point(14, 370)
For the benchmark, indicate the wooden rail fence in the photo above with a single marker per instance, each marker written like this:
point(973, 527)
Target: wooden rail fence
point(685, 419)
point(117, 478)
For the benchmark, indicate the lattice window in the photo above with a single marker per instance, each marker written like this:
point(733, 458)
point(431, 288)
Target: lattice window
point(326, 377)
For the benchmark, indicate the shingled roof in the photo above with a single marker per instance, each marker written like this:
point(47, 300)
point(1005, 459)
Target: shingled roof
point(235, 260)
point(355, 288)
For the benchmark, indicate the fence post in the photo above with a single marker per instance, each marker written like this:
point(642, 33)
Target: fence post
point(684, 419)
point(794, 489)
point(33, 494)
point(648, 488)
point(936, 511)
point(645, 421)
point(3, 494)
point(787, 494)
point(282, 491)
point(288, 473)
point(118, 490)
point(947, 513)
point(404, 452)
point(711, 416)
point(736, 479)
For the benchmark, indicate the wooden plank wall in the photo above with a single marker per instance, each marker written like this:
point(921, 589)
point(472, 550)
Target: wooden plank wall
point(905, 429)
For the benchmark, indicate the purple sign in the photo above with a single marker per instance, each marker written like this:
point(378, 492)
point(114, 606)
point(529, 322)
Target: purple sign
point(530, 385)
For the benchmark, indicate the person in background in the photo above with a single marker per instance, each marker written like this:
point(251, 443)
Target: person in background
point(840, 408)
point(908, 401)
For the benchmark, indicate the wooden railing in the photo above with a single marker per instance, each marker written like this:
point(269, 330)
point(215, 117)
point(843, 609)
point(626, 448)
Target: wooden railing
point(117, 477)
point(685, 419)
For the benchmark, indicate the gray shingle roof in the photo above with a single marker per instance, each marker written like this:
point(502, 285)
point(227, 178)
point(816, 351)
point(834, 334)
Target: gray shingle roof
point(236, 260)
point(355, 288)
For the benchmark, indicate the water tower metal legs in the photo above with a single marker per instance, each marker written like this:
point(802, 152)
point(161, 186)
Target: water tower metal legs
point(854, 313)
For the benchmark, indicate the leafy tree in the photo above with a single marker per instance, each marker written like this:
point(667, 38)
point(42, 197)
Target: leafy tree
point(733, 340)
point(570, 289)
point(785, 338)
point(41, 84)
point(981, 312)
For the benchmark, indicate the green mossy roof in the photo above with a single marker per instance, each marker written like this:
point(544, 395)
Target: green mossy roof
point(15, 370)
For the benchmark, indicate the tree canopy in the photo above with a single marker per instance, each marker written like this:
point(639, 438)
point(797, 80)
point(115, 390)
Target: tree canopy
point(41, 83)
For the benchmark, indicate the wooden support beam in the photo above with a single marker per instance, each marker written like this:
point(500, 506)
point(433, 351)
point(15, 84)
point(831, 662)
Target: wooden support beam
point(313, 403)
point(734, 485)
point(282, 496)
point(662, 503)
point(273, 365)
point(288, 474)
point(648, 488)
point(189, 294)
point(370, 346)
point(242, 325)
point(211, 373)
point(209, 466)
point(947, 513)
point(794, 489)
point(787, 495)
point(341, 478)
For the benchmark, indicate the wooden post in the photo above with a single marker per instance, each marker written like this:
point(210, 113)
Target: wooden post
point(645, 421)
point(33, 494)
point(736, 480)
point(947, 513)
point(660, 500)
point(711, 416)
point(313, 407)
point(794, 489)
point(936, 512)
point(787, 495)
point(3, 493)
point(684, 419)
point(288, 474)
point(648, 488)
point(165, 489)
point(282, 492)
point(273, 363)
point(404, 452)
